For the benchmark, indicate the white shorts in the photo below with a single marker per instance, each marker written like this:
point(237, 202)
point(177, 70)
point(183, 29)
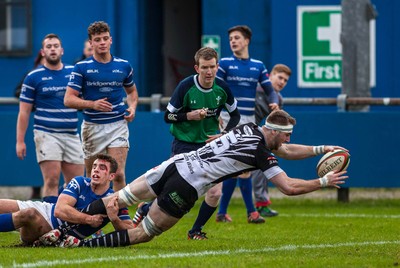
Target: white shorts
point(96, 138)
point(58, 147)
point(244, 119)
point(44, 209)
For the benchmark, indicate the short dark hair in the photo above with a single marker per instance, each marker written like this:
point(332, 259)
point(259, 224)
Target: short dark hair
point(49, 36)
point(109, 159)
point(244, 29)
point(98, 27)
point(280, 117)
point(206, 53)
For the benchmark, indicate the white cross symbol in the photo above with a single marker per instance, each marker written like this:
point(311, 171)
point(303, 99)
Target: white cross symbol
point(332, 33)
point(211, 43)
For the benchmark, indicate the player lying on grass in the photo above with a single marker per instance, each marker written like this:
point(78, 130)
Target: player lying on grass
point(178, 182)
point(35, 218)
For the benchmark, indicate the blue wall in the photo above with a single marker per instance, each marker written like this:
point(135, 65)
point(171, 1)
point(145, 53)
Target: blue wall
point(370, 137)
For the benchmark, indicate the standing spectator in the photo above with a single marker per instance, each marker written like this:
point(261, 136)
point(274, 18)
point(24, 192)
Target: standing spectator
point(103, 80)
point(39, 61)
point(279, 77)
point(242, 74)
point(86, 52)
point(58, 146)
point(193, 113)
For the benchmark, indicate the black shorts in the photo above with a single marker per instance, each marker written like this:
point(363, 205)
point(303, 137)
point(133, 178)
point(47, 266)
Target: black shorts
point(174, 195)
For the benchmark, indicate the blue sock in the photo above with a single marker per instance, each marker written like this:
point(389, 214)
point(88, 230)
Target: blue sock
point(228, 186)
point(247, 194)
point(205, 214)
point(146, 207)
point(50, 199)
point(6, 223)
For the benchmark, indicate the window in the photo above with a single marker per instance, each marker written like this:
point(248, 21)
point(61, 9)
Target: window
point(15, 28)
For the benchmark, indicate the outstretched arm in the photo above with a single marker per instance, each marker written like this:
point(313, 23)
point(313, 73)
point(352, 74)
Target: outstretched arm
point(292, 186)
point(291, 151)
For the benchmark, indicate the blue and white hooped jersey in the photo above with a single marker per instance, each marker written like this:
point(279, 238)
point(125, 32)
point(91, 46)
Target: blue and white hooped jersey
point(242, 76)
point(45, 89)
point(95, 80)
point(79, 188)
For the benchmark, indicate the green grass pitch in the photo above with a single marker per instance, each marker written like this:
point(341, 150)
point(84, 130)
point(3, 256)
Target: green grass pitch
point(307, 233)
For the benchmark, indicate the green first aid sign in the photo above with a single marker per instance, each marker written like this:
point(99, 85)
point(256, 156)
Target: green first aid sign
point(213, 41)
point(319, 47)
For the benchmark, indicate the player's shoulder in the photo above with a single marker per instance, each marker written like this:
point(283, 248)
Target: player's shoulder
point(85, 63)
point(186, 83)
point(38, 71)
point(68, 66)
point(257, 62)
point(119, 60)
point(227, 59)
point(81, 180)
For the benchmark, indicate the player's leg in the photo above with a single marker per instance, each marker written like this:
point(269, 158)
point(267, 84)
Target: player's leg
point(72, 164)
point(7, 207)
point(207, 209)
point(49, 151)
point(261, 195)
point(31, 224)
point(228, 187)
point(247, 194)
point(71, 170)
point(156, 222)
point(88, 165)
point(258, 187)
point(246, 189)
point(120, 154)
point(51, 171)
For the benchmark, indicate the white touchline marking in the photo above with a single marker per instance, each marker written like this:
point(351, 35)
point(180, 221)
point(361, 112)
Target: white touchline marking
point(340, 215)
point(200, 254)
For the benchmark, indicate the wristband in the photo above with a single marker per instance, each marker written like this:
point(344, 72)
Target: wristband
point(323, 181)
point(318, 149)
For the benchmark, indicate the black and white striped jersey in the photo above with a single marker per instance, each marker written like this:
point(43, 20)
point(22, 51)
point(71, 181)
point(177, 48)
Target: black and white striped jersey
point(241, 149)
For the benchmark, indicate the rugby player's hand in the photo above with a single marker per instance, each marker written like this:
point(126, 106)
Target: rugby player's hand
point(102, 105)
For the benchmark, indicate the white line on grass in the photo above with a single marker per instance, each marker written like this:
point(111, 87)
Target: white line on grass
point(199, 254)
point(341, 215)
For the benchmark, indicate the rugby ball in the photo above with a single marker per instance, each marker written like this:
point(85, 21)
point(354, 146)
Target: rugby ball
point(338, 160)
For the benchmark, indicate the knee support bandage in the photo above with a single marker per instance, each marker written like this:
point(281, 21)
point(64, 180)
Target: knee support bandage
point(126, 195)
point(150, 228)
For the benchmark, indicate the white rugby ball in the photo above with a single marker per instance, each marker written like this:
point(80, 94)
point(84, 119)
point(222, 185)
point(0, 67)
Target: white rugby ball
point(338, 160)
